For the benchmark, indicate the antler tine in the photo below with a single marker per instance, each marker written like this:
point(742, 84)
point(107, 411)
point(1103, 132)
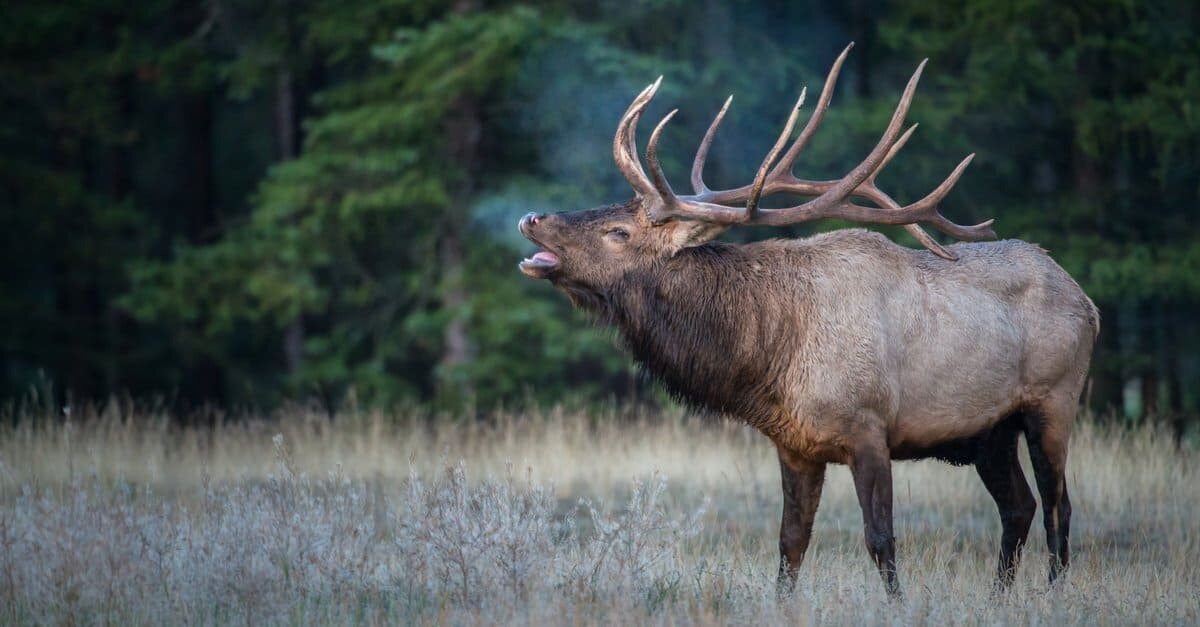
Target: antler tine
point(761, 177)
point(927, 241)
point(698, 185)
point(660, 180)
point(624, 141)
point(784, 167)
point(930, 202)
point(631, 150)
point(667, 205)
point(892, 153)
point(876, 195)
point(835, 194)
point(933, 198)
point(883, 200)
point(876, 157)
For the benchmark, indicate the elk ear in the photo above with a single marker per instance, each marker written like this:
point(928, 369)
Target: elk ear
point(690, 233)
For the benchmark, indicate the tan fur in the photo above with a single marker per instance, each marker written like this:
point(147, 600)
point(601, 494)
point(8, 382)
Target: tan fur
point(919, 348)
point(853, 333)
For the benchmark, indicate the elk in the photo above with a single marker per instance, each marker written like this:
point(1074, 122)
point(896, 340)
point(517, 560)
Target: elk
point(842, 347)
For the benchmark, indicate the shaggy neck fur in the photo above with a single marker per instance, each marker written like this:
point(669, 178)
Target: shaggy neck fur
point(708, 326)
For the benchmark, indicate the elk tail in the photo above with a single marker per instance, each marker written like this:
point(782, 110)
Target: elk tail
point(1093, 317)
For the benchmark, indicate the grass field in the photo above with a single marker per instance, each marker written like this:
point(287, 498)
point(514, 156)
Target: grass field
point(553, 518)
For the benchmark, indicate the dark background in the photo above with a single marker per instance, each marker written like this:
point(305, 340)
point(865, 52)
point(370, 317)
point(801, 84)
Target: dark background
point(233, 203)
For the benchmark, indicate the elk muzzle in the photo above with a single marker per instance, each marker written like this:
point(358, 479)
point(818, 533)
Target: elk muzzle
point(542, 263)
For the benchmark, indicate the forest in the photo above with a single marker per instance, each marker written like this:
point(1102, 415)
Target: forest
point(236, 204)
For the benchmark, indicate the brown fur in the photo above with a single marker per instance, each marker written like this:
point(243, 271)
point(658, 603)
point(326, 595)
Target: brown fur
point(847, 348)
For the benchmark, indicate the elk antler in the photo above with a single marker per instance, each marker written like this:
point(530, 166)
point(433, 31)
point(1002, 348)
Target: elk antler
point(832, 197)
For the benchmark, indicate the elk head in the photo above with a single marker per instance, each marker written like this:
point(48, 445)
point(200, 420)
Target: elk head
point(589, 250)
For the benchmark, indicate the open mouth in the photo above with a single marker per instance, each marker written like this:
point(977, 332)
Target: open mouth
point(539, 264)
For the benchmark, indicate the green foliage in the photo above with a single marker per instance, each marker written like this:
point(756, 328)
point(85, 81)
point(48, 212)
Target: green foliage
point(347, 235)
point(1088, 113)
point(155, 244)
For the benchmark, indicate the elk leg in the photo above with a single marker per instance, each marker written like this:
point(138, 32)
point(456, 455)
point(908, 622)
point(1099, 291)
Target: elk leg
point(802, 482)
point(1000, 471)
point(872, 471)
point(1048, 437)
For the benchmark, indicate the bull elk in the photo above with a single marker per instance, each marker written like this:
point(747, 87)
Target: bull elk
point(843, 347)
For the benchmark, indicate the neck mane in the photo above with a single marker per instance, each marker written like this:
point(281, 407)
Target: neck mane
point(705, 325)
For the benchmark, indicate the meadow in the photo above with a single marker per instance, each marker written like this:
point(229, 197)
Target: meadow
point(546, 517)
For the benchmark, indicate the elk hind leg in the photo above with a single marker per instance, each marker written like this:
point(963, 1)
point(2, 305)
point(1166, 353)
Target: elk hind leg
point(1048, 433)
point(1000, 470)
point(871, 468)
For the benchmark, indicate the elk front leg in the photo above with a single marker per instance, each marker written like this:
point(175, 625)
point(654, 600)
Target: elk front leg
point(872, 471)
point(802, 482)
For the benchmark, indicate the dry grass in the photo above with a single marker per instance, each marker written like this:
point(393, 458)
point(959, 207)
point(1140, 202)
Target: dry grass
point(544, 519)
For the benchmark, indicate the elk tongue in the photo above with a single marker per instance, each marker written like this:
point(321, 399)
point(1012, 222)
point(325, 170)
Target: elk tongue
point(545, 258)
point(540, 264)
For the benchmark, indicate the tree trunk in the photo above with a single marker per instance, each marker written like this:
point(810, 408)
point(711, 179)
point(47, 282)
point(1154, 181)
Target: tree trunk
point(201, 220)
point(456, 343)
point(120, 188)
point(201, 224)
point(285, 115)
point(1148, 347)
point(1108, 359)
point(463, 129)
point(1172, 374)
point(288, 147)
point(1106, 393)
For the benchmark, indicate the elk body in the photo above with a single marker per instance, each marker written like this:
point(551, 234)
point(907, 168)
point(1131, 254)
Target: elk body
point(844, 347)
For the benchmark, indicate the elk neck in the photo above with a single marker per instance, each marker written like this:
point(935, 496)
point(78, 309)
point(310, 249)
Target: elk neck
point(712, 323)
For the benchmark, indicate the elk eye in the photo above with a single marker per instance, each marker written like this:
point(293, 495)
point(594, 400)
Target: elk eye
point(618, 234)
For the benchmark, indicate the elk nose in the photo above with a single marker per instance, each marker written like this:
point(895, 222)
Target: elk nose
point(531, 219)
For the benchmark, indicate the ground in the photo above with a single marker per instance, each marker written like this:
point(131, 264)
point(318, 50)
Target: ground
point(545, 518)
